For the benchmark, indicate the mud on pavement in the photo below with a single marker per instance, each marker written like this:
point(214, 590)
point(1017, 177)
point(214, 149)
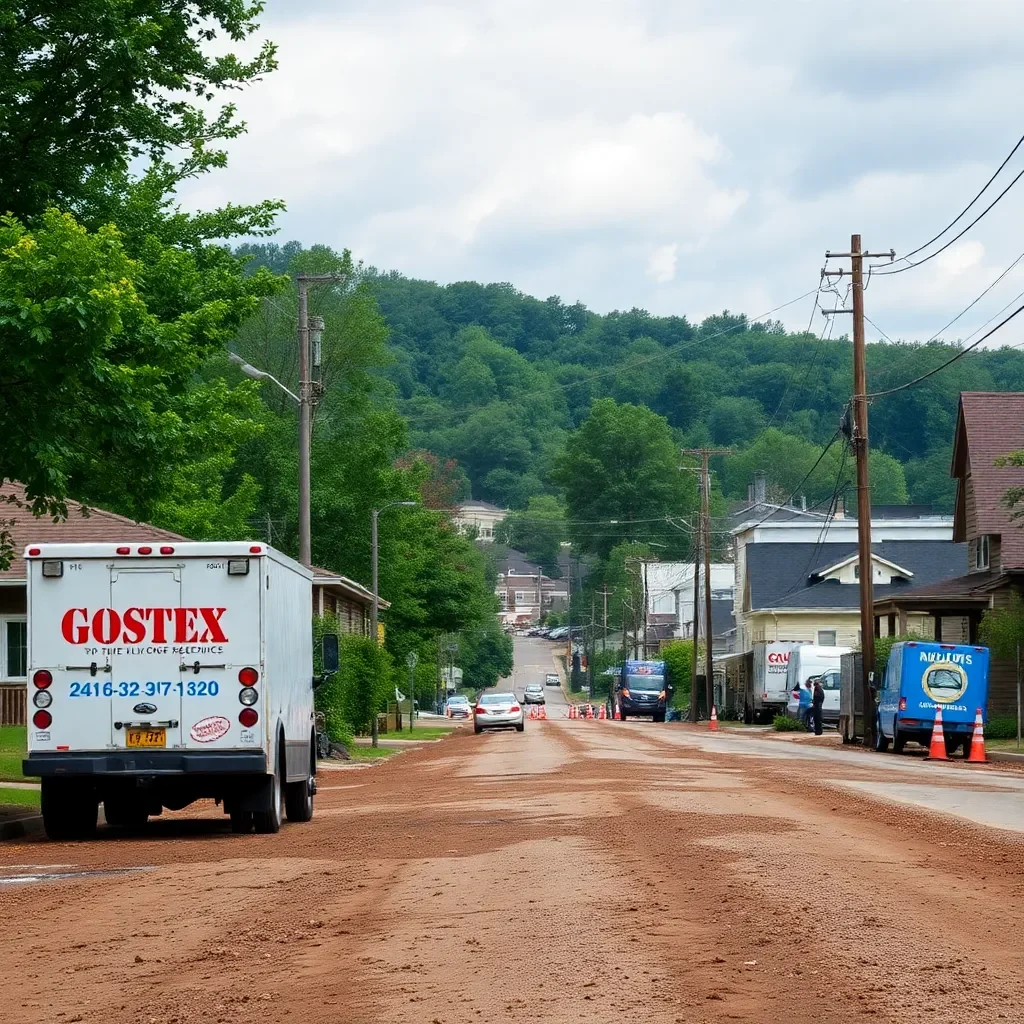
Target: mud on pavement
point(576, 872)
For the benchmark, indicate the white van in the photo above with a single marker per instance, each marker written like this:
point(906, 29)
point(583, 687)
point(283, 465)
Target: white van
point(163, 673)
point(809, 660)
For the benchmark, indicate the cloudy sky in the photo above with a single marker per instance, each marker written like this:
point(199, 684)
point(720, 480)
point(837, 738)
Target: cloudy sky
point(679, 155)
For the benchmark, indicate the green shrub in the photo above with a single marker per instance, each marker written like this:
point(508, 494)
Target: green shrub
point(784, 723)
point(1002, 727)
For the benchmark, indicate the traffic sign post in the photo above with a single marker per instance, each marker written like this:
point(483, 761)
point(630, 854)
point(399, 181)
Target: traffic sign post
point(412, 659)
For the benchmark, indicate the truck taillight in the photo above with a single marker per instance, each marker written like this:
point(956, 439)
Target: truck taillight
point(145, 551)
point(903, 703)
point(165, 550)
point(248, 717)
point(34, 551)
point(41, 679)
point(123, 551)
point(248, 676)
point(42, 719)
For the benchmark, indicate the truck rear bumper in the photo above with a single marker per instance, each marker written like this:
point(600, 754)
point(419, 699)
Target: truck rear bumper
point(152, 762)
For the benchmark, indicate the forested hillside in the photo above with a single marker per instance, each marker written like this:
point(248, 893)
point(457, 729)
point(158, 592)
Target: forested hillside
point(495, 378)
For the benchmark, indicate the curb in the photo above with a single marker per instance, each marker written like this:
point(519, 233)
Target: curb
point(1006, 756)
point(21, 828)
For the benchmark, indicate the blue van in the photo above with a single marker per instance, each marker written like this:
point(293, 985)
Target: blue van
point(922, 676)
point(642, 690)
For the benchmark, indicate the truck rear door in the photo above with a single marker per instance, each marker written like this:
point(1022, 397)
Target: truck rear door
point(145, 676)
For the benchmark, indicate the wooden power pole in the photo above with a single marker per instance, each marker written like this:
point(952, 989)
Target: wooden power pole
point(858, 437)
point(704, 454)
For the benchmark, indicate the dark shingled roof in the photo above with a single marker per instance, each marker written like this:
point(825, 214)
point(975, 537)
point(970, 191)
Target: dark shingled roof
point(780, 575)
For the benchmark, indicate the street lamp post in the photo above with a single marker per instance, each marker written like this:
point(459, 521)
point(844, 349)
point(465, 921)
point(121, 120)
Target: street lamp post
point(374, 608)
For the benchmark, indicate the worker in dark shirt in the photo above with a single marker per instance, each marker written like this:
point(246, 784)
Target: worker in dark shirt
point(817, 700)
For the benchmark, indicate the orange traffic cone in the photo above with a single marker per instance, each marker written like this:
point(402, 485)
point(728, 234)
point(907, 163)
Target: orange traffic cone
point(543, 716)
point(602, 713)
point(937, 748)
point(713, 724)
point(977, 755)
point(618, 712)
point(590, 711)
point(573, 713)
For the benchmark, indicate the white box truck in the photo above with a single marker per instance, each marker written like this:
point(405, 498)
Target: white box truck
point(769, 694)
point(161, 673)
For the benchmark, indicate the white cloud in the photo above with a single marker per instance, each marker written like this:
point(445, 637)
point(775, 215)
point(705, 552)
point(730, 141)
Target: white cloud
point(661, 264)
point(685, 156)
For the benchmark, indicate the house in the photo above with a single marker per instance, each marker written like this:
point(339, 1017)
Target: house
point(781, 553)
point(811, 592)
point(526, 593)
point(990, 566)
point(337, 594)
point(480, 517)
point(670, 601)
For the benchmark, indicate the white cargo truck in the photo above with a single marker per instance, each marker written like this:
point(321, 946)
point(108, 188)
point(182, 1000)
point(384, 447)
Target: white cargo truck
point(162, 673)
point(769, 693)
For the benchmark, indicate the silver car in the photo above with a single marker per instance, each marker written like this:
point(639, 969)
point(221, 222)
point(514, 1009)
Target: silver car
point(534, 694)
point(498, 711)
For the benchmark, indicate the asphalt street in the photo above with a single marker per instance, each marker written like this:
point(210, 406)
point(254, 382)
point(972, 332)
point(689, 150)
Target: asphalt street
point(579, 871)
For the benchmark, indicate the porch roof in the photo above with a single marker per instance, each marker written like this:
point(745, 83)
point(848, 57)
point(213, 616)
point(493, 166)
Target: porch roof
point(968, 592)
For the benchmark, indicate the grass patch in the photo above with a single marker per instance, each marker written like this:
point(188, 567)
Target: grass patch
point(19, 797)
point(1010, 745)
point(13, 744)
point(427, 732)
point(361, 753)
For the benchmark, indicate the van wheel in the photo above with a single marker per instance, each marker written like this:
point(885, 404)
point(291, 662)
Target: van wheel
point(69, 811)
point(881, 742)
point(898, 741)
point(268, 819)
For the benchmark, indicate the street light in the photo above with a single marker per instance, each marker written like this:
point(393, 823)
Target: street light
point(374, 515)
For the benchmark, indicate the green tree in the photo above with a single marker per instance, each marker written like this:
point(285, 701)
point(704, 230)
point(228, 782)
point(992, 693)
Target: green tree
point(538, 532)
point(88, 87)
point(622, 464)
point(735, 420)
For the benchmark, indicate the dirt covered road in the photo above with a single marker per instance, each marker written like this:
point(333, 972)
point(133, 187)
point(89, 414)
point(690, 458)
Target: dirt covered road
point(581, 871)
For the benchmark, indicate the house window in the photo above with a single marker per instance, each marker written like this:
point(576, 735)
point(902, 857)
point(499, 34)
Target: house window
point(981, 552)
point(14, 648)
point(521, 597)
point(826, 638)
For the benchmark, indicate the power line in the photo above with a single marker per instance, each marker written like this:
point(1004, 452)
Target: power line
point(956, 237)
point(959, 216)
point(948, 362)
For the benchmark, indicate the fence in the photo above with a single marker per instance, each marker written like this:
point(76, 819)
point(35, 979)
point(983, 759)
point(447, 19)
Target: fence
point(13, 704)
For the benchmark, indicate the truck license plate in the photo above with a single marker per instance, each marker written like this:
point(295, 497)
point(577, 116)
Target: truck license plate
point(147, 738)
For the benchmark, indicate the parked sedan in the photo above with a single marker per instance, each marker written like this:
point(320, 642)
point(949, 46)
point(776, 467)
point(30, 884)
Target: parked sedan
point(458, 707)
point(534, 694)
point(551, 680)
point(498, 711)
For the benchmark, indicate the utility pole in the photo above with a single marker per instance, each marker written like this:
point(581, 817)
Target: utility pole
point(694, 631)
point(644, 617)
point(859, 439)
point(309, 392)
point(605, 594)
point(704, 454)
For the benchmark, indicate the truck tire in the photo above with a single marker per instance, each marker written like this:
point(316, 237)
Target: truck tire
point(298, 796)
point(241, 822)
point(69, 811)
point(267, 820)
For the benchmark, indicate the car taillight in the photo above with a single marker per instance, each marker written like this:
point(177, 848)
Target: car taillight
point(42, 719)
point(248, 717)
point(512, 710)
point(480, 710)
point(248, 676)
point(41, 679)
point(903, 703)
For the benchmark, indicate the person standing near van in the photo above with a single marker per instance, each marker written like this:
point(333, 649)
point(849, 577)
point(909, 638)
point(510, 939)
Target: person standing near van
point(805, 705)
point(817, 700)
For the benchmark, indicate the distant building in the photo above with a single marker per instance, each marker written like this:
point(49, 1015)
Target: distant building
point(526, 593)
point(479, 516)
point(670, 601)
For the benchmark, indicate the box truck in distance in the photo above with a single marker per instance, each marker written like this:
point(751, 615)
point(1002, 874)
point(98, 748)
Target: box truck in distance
point(160, 674)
